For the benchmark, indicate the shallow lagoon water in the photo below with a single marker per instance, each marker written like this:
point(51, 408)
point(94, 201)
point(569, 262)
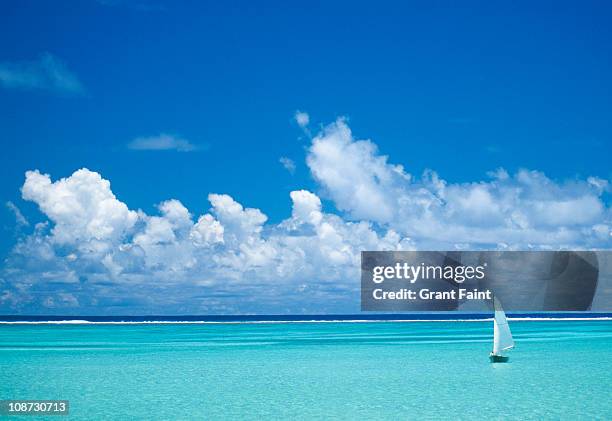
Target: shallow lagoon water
point(374, 370)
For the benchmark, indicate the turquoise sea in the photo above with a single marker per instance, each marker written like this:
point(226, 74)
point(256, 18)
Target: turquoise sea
point(374, 370)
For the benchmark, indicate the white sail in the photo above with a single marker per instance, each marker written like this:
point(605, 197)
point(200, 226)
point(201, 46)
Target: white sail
point(502, 337)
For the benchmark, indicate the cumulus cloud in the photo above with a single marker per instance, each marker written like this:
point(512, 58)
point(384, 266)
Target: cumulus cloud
point(523, 210)
point(306, 207)
point(46, 73)
point(162, 142)
point(288, 164)
point(97, 254)
point(95, 246)
point(360, 181)
point(207, 231)
point(82, 207)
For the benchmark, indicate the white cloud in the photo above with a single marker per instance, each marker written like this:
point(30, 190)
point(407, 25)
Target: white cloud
point(96, 239)
point(46, 73)
point(360, 181)
point(162, 142)
point(288, 164)
point(207, 231)
point(524, 210)
point(82, 207)
point(232, 259)
point(241, 226)
point(302, 118)
point(306, 207)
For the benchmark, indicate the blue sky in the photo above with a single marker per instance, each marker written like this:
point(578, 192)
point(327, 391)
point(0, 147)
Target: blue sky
point(459, 90)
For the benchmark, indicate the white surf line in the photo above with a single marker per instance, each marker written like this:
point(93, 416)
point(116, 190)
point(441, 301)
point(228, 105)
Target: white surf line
point(212, 322)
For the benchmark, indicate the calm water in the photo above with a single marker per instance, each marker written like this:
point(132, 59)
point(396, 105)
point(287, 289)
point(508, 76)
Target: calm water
point(415, 370)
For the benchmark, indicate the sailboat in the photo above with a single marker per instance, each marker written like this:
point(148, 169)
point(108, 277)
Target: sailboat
point(502, 337)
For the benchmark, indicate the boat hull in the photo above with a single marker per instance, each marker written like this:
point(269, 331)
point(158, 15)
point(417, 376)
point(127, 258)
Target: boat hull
point(498, 359)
